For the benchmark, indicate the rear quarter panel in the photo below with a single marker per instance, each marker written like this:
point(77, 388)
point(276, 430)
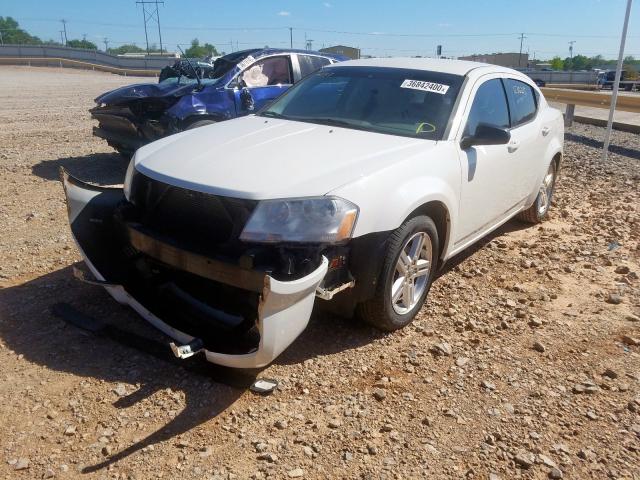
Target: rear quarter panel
point(554, 143)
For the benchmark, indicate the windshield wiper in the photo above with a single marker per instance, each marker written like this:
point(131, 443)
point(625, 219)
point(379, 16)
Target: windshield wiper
point(269, 113)
point(336, 122)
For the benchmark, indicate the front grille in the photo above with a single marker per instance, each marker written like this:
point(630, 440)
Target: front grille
point(192, 218)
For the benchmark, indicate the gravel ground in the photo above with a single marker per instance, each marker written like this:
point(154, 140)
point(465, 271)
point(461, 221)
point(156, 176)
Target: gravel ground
point(524, 364)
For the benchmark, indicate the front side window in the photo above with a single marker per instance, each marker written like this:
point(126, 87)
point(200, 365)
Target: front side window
point(269, 71)
point(522, 101)
point(311, 63)
point(394, 101)
point(489, 107)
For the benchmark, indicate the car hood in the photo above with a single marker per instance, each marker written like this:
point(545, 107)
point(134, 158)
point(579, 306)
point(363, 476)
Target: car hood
point(259, 158)
point(144, 90)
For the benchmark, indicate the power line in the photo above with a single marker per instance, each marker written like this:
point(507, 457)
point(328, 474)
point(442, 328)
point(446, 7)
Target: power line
point(341, 32)
point(151, 14)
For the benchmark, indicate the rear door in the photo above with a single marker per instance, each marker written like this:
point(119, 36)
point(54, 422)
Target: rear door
point(528, 137)
point(266, 80)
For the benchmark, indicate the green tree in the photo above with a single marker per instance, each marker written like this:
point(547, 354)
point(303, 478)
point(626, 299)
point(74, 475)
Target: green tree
point(126, 48)
point(198, 51)
point(13, 34)
point(132, 48)
point(557, 63)
point(86, 44)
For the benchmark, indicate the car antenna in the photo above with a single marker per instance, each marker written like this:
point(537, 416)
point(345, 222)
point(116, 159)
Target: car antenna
point(195, 72)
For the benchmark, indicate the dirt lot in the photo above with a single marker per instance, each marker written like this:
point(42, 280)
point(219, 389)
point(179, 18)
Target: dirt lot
point(524, 364)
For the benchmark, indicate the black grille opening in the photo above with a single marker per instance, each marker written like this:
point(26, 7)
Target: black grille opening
point(195, 219)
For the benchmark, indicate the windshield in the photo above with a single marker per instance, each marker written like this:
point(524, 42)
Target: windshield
point(396, 101)
point(223, 64)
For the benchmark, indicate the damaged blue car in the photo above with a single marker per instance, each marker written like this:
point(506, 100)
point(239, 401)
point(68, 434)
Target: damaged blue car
point(238, 84)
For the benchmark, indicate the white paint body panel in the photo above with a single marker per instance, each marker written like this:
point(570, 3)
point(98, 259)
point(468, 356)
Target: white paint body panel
point(387, 176)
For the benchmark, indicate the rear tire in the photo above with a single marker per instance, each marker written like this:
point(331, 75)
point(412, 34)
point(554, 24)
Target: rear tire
point(404, 282)
point(539, 211)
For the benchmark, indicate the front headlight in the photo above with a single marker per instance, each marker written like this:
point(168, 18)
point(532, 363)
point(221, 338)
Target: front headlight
point(128, 178)
point(305, 220)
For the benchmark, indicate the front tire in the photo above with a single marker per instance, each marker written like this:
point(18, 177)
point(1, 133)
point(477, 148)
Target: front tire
point(407, 273)
point(538, 212)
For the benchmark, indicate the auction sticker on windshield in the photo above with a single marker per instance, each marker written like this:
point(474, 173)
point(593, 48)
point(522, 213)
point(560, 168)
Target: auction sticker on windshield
point(425, 86)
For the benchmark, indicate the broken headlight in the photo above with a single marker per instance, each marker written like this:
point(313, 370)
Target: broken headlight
point(305, 220)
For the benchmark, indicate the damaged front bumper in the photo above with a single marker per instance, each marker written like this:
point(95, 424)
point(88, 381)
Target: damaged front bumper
point(141, 270)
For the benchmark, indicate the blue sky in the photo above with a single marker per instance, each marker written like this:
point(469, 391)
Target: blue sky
point(402, 27)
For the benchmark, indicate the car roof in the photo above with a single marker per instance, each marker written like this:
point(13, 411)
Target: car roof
point(272, 51)
point(455, 67)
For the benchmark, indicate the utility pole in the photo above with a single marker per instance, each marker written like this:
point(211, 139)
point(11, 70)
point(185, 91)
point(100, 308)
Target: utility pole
point(571, 54)
point(106, 44)
point(64, 29)
point(1, 40)
point(522, 37)
point(150, 12)
point(84, 37)
point(291, 36)
point(62, 37)
point(616, 83)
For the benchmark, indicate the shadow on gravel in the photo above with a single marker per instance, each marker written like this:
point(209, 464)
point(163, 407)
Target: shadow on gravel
point(28, 327)
point(591, 142)
point(141, 356)
point(510, 226)
point(100, 168)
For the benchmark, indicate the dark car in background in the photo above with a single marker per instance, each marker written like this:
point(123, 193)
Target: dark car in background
point(238, 84)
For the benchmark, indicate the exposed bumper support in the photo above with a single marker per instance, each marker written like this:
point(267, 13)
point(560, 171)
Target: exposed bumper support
point(284, 307)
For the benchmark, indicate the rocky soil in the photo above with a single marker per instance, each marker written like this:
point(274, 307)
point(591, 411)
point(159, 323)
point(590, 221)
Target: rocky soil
point(524, 364)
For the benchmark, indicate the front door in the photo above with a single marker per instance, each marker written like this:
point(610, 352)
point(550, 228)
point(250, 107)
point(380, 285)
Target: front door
point(489, 188)
point(265, 81)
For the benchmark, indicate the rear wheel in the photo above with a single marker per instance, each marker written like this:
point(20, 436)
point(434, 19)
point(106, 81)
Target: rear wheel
point(408, 270)
point(537, 212)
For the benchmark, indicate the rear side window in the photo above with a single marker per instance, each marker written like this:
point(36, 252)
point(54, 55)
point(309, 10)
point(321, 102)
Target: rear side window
point(489, 107)
point(522, 101)
point(310, 63)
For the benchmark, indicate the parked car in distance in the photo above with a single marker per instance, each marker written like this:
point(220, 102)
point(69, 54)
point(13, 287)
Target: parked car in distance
point(628, 81)
point(238, 84)
point(354, 187)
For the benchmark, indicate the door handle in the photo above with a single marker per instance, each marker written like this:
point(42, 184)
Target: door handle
point(513, 146)
point(545, 131)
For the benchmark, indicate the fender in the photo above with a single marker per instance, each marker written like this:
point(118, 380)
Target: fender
point(403, 194)
point(215, 102)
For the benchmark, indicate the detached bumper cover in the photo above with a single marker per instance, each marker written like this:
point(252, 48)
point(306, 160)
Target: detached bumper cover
point(284, 307)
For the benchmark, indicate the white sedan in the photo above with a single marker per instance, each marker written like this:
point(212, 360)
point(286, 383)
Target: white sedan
point(353, 187)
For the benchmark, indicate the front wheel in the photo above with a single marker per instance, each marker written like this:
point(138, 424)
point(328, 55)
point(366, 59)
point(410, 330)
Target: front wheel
point(537, 212)
point(408, 270)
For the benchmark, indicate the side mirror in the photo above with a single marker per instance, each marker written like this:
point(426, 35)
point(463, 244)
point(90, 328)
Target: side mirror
point(486, 135)
point(246, 99)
